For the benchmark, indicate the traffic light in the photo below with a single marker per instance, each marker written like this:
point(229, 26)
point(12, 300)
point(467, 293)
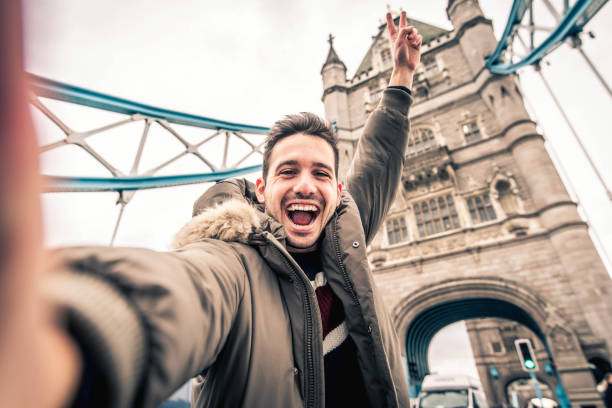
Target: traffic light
point(526, 354)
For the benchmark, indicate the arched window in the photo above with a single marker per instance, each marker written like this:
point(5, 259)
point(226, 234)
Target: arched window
point(420, 141)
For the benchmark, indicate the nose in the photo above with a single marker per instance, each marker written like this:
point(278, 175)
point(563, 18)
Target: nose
point(304, 184)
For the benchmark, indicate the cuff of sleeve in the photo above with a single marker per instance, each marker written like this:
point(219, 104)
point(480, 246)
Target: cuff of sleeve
point(106, 327)
point(397, 99)
point(403, 88)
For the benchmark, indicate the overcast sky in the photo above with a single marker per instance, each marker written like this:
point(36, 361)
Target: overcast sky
point(252, 62)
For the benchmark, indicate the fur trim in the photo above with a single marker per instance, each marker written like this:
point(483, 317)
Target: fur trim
point(233, 220)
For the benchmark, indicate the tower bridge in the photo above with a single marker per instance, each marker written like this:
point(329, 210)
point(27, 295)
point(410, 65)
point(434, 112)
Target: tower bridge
point(483, 227)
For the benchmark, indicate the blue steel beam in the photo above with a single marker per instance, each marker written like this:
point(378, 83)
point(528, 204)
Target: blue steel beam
point(131, 183)
point(57, 90)
point(573, 22)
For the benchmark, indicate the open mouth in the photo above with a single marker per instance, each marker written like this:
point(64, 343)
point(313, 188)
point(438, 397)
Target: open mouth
point(302, 214)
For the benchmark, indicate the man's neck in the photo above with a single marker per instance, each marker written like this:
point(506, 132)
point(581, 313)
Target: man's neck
point(294, 250)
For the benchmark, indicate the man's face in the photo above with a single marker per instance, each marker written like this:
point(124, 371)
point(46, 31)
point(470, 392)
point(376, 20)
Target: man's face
point(301, 190)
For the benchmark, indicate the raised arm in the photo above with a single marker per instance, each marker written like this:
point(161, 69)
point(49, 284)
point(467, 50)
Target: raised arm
point(406, 45)
point(377, 165)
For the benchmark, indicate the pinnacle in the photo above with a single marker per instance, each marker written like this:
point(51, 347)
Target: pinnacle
point(332, 56)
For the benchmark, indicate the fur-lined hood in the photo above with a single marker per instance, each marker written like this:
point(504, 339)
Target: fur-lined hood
point(233, 220)
point(228, 211)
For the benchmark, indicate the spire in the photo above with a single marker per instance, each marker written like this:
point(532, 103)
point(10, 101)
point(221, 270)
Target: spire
point(332, 56)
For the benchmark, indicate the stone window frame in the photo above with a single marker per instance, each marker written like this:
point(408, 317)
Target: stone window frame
point(419, 142)
point(431, 68)
point(501, 347)
point(481, 208)
point(396, 229)
point(436, 220)
point(472, 124)
point(385, 56)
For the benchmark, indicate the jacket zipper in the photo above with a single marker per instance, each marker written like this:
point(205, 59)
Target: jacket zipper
point(310, 368)
point(349, 284)
point(347, 281)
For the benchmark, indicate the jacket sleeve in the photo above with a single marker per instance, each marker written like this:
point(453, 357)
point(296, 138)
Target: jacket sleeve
point(377, 165)
point(147, 321)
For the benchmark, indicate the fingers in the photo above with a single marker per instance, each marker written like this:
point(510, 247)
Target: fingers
point(411, 35)
point(417, 42)
point(402, 20)
point(391, 27)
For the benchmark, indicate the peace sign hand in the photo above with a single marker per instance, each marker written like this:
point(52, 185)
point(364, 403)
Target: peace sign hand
point(406, 45)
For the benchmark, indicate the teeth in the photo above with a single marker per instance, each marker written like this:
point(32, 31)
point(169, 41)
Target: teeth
point(298, 207)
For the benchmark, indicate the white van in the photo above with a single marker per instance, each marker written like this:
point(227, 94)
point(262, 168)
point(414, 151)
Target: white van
point(451, 391)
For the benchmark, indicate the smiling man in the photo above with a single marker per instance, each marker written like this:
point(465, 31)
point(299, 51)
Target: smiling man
point(299, 187)
point(267, 298)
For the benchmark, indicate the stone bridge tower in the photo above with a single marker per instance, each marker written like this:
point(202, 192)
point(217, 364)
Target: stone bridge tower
point(482, 226)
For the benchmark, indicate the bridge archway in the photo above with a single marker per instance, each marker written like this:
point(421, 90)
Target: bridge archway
point(421, 314)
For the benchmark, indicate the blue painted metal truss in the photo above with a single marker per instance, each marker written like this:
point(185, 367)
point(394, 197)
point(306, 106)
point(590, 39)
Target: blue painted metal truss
point(248, 137)
point(570, 21)
point(43, 87)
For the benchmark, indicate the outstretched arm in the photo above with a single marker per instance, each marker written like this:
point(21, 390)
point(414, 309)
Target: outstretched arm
point(163, 315)
point(377, 165)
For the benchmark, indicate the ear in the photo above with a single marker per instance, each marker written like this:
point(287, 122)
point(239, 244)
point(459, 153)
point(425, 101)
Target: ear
point(259, 190)
point(339, 194)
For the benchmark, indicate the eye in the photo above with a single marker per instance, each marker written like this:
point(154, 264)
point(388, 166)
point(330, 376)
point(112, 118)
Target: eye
point(322, 174)
point(287, 172)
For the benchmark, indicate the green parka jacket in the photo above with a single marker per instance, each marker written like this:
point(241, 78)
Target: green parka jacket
point(231, 306)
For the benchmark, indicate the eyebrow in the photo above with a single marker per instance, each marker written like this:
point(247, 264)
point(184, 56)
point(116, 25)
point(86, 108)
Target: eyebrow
point(295, 163)
point(323, 165)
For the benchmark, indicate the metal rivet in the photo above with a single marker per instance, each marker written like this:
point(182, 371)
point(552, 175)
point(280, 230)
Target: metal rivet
point(295, 371)
point(370, 328)
point(355, 244)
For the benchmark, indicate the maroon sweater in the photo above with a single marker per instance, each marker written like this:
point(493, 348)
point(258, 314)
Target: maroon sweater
point(343, 381)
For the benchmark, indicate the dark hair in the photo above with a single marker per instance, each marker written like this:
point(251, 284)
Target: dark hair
point(303, 122)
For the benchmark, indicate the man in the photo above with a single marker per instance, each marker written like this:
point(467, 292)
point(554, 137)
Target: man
point(268, 297)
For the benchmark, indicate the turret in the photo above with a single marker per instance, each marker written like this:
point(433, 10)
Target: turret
point(461, 11)
point(333, 70)
point(475, 32)
point(335, 99)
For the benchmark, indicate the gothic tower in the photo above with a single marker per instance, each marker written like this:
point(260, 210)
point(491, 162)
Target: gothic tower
point(482, 226)
point(335, 98)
